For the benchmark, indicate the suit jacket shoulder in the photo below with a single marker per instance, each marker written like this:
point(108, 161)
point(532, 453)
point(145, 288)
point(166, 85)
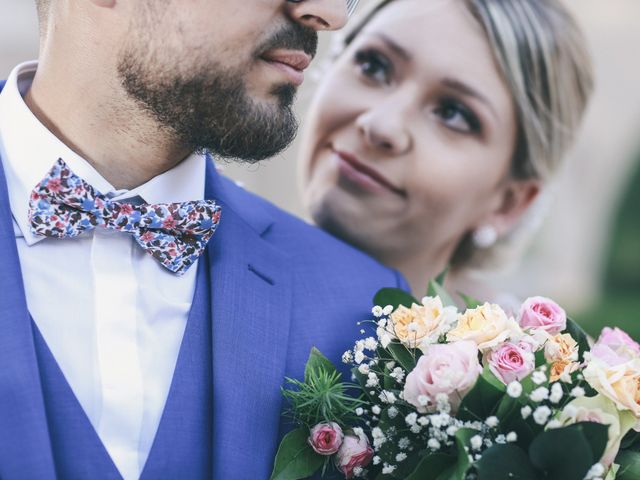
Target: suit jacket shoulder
point(333, 284)
point(312, 250)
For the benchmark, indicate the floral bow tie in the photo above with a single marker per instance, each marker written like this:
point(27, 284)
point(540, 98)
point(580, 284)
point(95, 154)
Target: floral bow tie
point(64, 205)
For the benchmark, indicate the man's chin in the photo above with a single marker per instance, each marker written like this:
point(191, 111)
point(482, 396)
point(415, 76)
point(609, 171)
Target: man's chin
point(278, 96)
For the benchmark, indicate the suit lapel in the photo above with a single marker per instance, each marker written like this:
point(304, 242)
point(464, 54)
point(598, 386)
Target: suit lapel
point(251, 303)
point(25, 448)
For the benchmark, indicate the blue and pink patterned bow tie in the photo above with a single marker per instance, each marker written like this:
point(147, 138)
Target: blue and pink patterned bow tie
point(63, 205)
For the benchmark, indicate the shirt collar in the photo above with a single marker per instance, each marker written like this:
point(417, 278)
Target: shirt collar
point(29, 150)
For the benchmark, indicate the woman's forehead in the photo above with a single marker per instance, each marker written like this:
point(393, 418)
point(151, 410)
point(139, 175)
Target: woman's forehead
point(427, 18)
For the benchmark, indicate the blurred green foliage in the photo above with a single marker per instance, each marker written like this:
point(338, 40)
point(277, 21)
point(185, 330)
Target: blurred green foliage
point(620, 304)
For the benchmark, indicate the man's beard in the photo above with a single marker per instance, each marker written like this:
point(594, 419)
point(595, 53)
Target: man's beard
point(210, 109)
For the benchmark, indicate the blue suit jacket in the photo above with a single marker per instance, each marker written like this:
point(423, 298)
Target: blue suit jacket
point(279, 287)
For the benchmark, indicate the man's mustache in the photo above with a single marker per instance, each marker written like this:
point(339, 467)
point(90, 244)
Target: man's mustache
point(292, 37)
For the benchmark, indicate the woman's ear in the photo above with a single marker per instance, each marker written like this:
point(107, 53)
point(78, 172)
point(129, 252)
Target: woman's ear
point(517, 197)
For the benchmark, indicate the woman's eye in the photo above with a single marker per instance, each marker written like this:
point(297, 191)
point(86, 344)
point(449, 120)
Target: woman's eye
point(458, 117)
point(374, 65)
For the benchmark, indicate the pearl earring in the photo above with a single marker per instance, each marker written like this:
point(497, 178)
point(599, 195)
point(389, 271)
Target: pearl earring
point(485, 236)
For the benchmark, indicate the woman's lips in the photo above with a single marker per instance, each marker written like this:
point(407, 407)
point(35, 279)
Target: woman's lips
point(291, 63)
point(364, 176)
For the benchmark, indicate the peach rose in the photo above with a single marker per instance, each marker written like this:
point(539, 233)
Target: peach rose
point(561, 370)
point(561, 347)
point(421, 324)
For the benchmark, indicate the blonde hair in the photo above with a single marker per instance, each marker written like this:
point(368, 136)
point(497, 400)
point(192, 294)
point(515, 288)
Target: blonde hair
point(42, 6)
point(542, 54)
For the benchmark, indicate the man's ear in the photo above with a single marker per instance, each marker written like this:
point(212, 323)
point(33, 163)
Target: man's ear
point(517, 197)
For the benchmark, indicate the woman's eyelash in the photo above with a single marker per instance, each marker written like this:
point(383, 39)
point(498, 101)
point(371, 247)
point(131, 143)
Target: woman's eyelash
point(450, 105)
point(374, 65)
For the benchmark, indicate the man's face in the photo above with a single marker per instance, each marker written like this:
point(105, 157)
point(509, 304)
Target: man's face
point(222, 74)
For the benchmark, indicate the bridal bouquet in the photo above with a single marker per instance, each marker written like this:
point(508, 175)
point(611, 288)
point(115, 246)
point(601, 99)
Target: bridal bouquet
point(442, 394)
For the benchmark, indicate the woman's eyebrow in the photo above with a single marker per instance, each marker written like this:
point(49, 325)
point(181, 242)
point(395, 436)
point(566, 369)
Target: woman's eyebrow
point(469, 91)
point(451, 83)
point(399, 50)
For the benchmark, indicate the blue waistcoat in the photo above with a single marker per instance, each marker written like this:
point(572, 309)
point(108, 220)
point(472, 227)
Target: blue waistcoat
point(182, 445)
point(277, 288)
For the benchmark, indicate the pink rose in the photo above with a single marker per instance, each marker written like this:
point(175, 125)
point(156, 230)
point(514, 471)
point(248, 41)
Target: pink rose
point(354, 452)
point(511, 362)
point(451, 369)
point(543, 313)
point(615, 347)
point(326, 438)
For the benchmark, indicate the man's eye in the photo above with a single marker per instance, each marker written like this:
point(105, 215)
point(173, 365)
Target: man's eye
point(374, 66)
point(458, 117)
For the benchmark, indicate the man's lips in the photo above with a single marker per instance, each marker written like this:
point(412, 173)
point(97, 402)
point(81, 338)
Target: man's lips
point(291, 62)
point(372, 174)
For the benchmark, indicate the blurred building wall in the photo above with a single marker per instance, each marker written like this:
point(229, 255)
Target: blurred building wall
point(566, 259)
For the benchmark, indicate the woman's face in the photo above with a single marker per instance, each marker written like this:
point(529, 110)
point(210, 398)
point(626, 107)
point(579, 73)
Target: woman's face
point(411, 135)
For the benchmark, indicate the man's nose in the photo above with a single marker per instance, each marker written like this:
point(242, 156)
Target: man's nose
point(319, 14)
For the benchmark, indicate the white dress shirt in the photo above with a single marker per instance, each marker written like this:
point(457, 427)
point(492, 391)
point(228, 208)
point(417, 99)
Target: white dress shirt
point(112, 316)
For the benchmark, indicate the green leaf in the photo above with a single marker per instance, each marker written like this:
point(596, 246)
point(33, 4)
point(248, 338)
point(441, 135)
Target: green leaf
point(540, 358)
point(568, 453)
point(441, 276)
point(490, 377)
point(394, 297)
point(629, 465)
point(579, 335)
point(432, 466)
point(463, 437)
point(295, 458)
point(505, 461)
point(317, 362)
point(481, 401)
point(437, 290)
point(403, 356)
point(508, 410)
point(470, 302)
point(631, 441)
point(612, 474)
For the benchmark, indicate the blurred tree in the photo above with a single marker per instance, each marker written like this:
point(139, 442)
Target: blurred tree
point(620, 303)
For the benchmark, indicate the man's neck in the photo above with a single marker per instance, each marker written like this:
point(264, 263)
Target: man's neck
point(103, 125)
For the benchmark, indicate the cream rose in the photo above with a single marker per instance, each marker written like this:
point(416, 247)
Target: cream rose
point(614, 370)
point(600, 409)
point(487, 325)
point(620, 383)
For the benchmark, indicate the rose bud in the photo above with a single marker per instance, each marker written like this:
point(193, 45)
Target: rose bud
point(354, 452)
point(326, 438)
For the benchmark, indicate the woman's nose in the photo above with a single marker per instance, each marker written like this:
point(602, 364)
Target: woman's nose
point(385, 129)
point(319, 14)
